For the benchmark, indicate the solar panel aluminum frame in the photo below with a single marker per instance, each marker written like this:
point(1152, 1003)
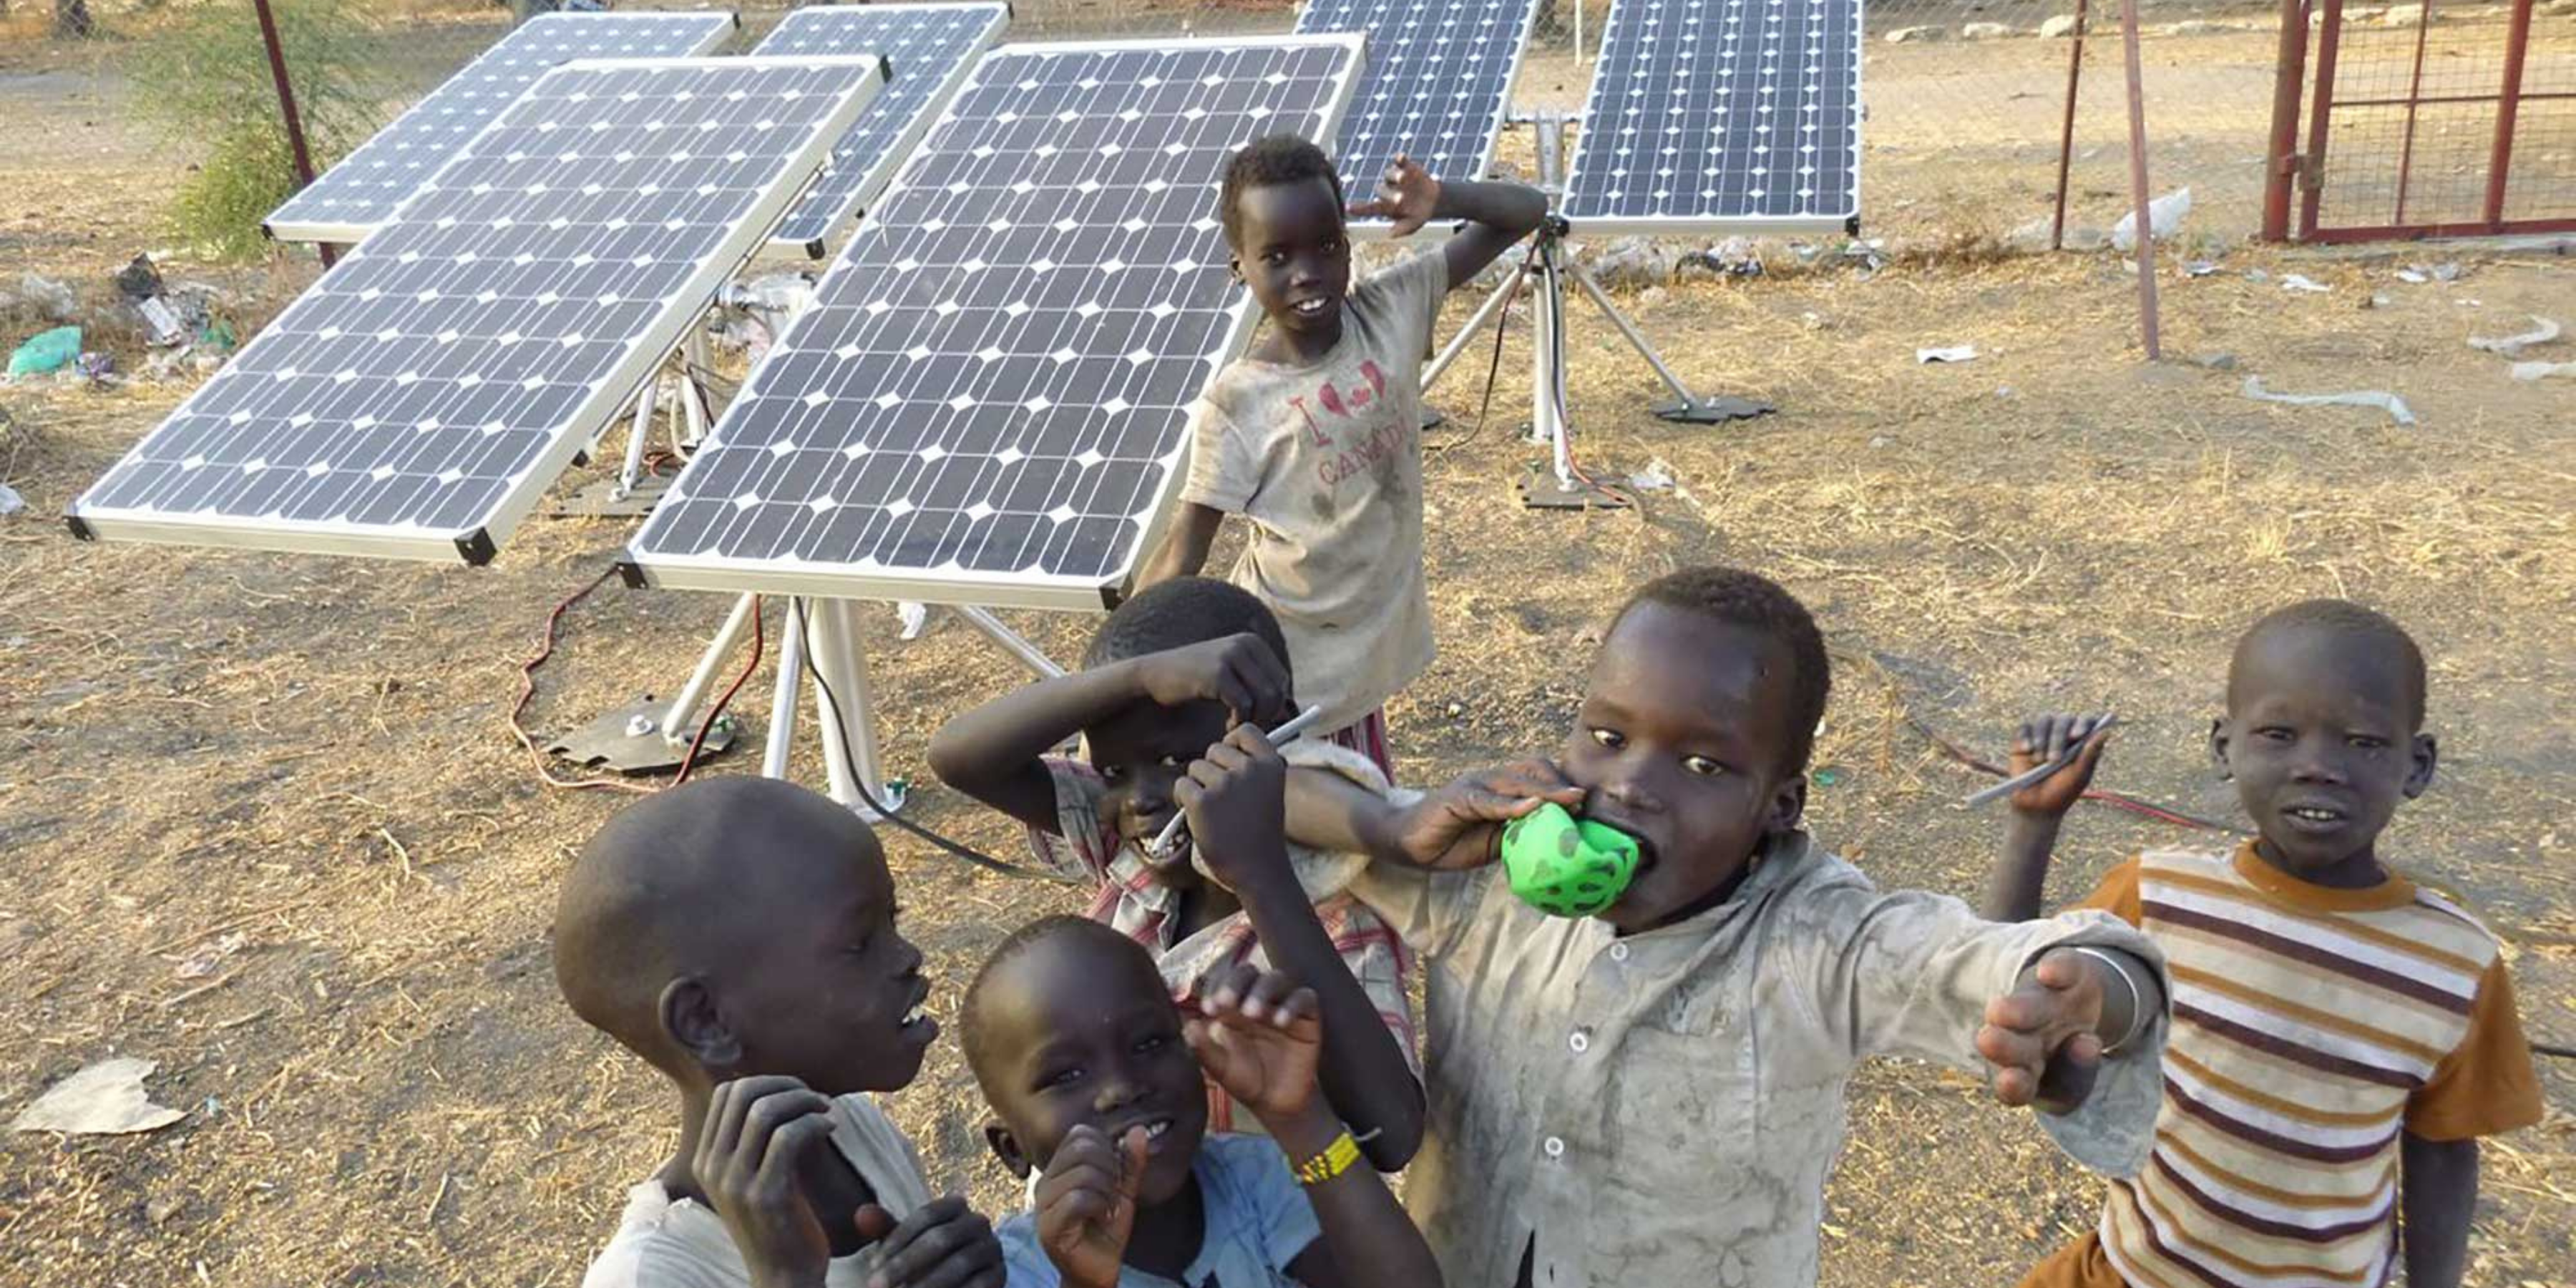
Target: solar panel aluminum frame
point(1688, 225)
point(882, 170)
point(607, 402)
point(1382, 230)
point(998, 590)
point(338, 234)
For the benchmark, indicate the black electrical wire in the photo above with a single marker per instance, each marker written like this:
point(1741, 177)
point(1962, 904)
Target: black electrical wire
point(849, 762)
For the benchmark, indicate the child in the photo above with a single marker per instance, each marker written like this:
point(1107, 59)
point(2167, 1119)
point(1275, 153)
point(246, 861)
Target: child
point(1655, 1095)
point(2341, 1036)
point(1161, 678)
point(738, 934)
point(1316, 434)
point(1087, 1065)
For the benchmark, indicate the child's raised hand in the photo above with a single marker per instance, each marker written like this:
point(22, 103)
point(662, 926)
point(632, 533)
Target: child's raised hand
point(2042, 741)
point(758, 1131)
point(2041, 1036)
point(1407, 195)
point(1457, 826)
point(1240, 671)
point(1086, 1204)
point(1259, 1035)
point(1236, 797)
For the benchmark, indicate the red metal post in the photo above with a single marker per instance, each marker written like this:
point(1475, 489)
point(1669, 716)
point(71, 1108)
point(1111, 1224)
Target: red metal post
point(286, 104)
point(2508, 105)
point(2281, 158)
point(2066, 131)
point(2414, 96)
point(2329, 42)
point(2138, 184)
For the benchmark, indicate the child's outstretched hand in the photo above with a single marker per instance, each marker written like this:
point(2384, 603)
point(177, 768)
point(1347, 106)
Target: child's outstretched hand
point(2043, 740)
point(1407, 196)
point(1259, 1035)
point(2040, 1037)
point(944, 1244)
point(1240, 671)
point(1086, 1204)
point(1457, 826)
point(1236, 797)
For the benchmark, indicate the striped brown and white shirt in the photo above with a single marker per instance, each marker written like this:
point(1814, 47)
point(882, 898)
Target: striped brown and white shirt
point(2312, 1027)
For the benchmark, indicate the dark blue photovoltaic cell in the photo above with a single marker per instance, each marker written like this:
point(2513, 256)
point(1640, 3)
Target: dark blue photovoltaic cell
point(1438, 83)
point(359, 192)
point(1717, 111)
point(993, 384)
point(426, 378)
point(925, 44)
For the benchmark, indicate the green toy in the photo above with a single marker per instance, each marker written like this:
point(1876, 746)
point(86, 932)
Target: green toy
point(1564, 866)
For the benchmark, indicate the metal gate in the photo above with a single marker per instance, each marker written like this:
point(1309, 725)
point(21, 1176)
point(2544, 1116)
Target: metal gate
point(2430, 120)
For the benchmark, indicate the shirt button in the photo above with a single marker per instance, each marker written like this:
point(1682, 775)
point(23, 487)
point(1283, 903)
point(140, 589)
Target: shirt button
point(1554, 1145)
point(1580, 1042)
point(1618, 952)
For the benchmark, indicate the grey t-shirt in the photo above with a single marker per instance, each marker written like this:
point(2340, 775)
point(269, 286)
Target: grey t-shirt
point(1325, 459)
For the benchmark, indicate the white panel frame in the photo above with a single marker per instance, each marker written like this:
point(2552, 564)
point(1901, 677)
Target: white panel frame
point(999, 589)
point(609, 397)
point(338, 234)
point(882, 171)
point(1715, 225)
point(1378, 230)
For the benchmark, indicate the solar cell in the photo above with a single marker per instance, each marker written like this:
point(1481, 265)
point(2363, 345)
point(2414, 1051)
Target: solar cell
point(930, 47)
point(416, 400)
point(350, 199)
point(1721, 115)
point(1438, 85)
point(989, 399)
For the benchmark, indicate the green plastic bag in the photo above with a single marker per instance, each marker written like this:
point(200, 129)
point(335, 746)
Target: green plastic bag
point(46, 351)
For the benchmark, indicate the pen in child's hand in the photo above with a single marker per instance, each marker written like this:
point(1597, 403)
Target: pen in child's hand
point(2037, 772)
point(1172, 831)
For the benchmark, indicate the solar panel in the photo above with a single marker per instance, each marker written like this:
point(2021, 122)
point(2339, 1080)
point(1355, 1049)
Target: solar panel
point(931, 46)
point(1719, 116)
point(350, 199)
point(990, 397)
point(1438, 84)
point(416, 400)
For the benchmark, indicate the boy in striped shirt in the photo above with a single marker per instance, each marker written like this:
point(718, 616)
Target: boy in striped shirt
point(2341, 1037)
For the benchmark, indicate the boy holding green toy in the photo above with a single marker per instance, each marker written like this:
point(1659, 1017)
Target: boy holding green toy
point(1653, 1094)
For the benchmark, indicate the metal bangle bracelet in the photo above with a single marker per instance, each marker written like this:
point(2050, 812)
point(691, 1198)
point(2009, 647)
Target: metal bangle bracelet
point(2138, 1019)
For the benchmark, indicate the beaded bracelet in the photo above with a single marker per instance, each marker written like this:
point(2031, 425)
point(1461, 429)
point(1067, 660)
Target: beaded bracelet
point(1335, 1160)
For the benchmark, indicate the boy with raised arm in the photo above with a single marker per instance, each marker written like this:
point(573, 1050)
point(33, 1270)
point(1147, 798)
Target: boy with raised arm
point(1315, 435)
point(2341, 1036)
point(1654, 1095)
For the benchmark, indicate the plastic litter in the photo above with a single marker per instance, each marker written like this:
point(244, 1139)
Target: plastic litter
point(2542, 331)
point(46, 351)
point(1656, 477)
point(55, 299)
point(2542, 370)
point(2383, 400)
point(1953, 353)
point(2296, 282)
point(2199, 267)
point(105, 1099)
point(10, 501)
point(914, 616)
point(2164, 218)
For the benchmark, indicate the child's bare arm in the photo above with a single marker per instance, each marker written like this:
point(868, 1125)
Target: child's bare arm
point(1185, 548)
point(995, 752)
point(1260, 1039)
point(2039, 809)
point(1496, 214)
point(1453, 827)
point(1233, 796)
point(2439, 1190)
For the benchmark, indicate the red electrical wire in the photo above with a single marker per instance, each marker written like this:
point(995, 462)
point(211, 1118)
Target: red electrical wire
point(690, 761)
point(2113, 799)
point(546, 649)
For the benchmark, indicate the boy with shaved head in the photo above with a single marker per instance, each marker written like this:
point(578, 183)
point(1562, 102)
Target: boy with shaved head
point(739, 935)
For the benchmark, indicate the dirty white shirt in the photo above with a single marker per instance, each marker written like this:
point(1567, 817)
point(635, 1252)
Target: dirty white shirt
point(666, 1243)
point(1665, 1108)
point(1325, 459)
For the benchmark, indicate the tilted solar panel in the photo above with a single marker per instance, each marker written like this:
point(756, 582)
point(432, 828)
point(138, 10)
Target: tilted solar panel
point(1438, 86)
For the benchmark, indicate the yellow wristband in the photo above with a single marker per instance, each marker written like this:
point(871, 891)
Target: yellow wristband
point(1335, 1160)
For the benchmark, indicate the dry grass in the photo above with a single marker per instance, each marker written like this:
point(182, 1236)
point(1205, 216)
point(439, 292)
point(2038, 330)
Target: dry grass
point(309, 754)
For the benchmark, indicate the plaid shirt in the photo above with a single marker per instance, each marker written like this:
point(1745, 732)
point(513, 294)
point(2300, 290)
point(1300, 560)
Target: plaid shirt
point(1087, 846)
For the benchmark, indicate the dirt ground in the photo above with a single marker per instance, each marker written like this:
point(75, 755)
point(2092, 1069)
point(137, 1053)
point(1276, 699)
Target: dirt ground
point(264, 822)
